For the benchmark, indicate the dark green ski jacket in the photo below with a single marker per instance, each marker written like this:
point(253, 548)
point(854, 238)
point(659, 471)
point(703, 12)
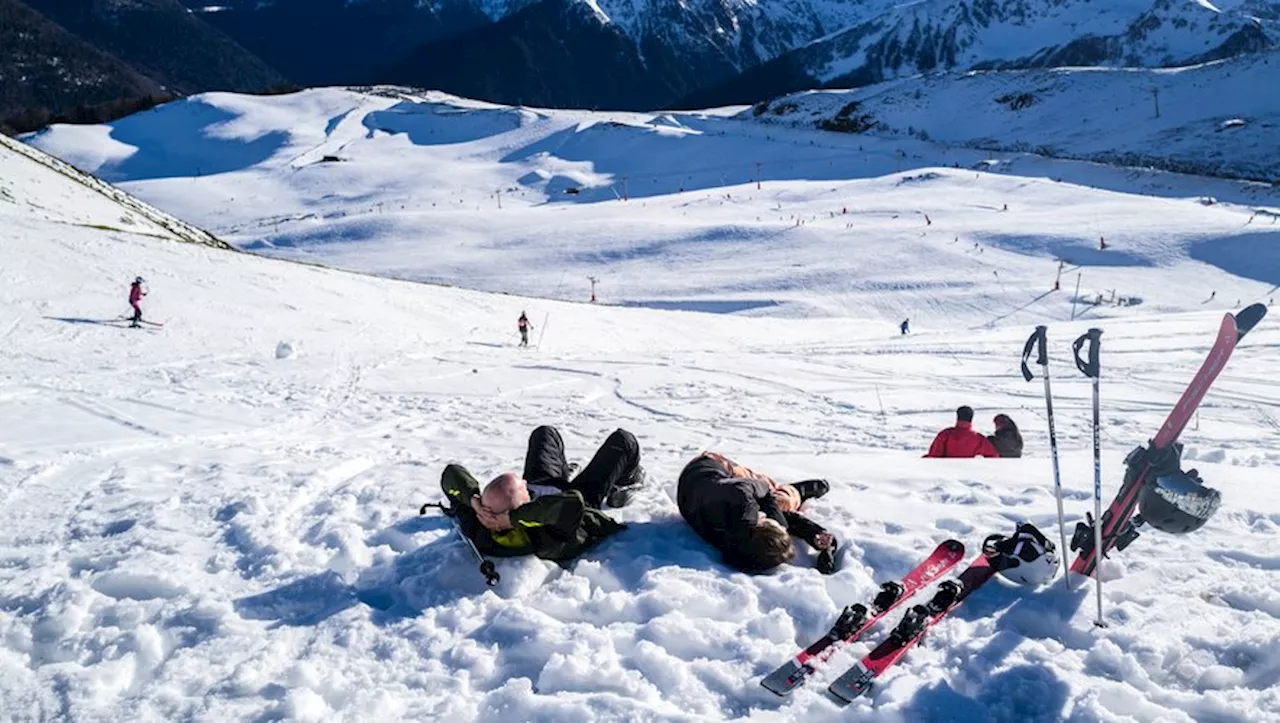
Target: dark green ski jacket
point(554, 527)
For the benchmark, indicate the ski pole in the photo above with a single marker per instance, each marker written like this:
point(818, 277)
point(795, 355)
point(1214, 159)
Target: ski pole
point(1038, 340)
point(491, 576)
point(545, 319)
point(1093, 369)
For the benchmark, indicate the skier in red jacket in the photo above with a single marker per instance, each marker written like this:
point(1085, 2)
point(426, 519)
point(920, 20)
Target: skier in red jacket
point(135, 298)
point(961, 440)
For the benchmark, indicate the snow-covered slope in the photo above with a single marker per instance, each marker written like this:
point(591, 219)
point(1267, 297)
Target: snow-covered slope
point(907, 39)
point(134, 210)
point(1207, 119)
point(200, 525)
point(436, 188)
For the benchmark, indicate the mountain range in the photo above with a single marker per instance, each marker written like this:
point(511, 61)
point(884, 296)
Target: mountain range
point(620, 54)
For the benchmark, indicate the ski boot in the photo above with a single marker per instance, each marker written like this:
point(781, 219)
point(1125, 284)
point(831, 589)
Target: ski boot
point(624, 492)
point(811, 489)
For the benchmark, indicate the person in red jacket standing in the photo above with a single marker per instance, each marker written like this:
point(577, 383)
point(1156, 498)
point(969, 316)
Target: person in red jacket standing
point(961, 440)
point(135, 298)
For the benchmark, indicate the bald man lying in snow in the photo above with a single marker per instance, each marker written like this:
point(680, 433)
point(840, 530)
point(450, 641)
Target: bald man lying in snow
point(543, 512)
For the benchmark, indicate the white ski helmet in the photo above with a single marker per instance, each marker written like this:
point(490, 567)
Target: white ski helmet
point(1027, 558)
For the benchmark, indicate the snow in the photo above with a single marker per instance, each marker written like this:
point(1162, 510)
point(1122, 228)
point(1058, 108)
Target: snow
point(961, 34)
point(198, 527)
point(1089, 113)
point(438, 189)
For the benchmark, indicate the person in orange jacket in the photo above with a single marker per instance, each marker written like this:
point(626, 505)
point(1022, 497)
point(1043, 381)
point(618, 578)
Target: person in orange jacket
point(961, 440)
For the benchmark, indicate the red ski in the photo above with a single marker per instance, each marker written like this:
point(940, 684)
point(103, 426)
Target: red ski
point(857, 619)
point(1118, 529)
point(858, 680)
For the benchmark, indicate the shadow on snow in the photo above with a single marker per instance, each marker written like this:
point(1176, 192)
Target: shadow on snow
point(191, 146)
point(444, 570)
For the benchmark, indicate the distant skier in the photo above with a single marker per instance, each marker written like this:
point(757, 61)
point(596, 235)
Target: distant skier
point(1007, 439)
point(524, 326)
point(905, 326)
point(749, 517)
point(961, 440)
point(135, 299)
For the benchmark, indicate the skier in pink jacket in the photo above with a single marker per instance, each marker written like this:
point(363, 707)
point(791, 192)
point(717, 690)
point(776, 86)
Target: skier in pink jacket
point(135, 298)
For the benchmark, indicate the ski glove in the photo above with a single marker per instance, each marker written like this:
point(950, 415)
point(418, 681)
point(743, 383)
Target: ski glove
point(808, 530)
point(826, 562)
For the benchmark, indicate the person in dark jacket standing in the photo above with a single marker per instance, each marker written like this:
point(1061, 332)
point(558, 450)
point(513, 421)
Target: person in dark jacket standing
point(748, 516)
point(524, 326)
point(1007, 439)
point(961, 440)
point(543, 512)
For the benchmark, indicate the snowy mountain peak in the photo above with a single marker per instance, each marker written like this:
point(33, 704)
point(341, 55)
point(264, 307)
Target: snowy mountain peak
point(901, 40)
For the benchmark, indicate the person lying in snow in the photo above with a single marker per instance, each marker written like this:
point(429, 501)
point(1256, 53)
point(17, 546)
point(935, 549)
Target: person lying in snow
point(543, 512)
point(961, 440)
point(1007, 439)
point(749, 517)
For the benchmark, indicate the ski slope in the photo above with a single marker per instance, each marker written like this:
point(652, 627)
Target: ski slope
point(1203, 119)
point(205, 524)
point(434, 188)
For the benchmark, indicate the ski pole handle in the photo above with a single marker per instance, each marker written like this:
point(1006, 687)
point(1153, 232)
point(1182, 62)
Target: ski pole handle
point(1090, 367)
point(1038, 341)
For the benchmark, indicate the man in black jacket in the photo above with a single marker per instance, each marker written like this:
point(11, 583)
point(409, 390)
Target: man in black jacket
point(543, 512)
point(748, 516)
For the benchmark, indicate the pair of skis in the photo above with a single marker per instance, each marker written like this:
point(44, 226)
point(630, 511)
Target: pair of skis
point(857, 619)
point(146, 322)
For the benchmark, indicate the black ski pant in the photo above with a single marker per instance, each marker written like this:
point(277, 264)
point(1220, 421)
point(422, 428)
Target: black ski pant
point(524, 337)
point(613, 464)
point(137, 313)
